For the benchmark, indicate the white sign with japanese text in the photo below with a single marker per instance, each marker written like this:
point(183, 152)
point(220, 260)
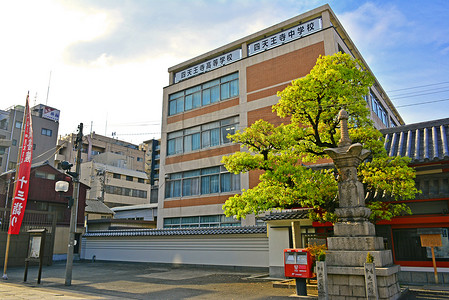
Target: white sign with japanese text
point(285, 36)
point(209, 65)
point(51, 113)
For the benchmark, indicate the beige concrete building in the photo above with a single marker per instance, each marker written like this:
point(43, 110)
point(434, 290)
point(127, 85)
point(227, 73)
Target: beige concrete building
point(113, 185)
point(227, 89)
point(113, 169)
point(94, 144)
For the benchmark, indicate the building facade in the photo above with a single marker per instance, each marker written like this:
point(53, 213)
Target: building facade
point(426, 144)
point(114, 169)
point(94, 144)
point(114, 186)
point(228, 89)
point(45, 121)
point(152, 150)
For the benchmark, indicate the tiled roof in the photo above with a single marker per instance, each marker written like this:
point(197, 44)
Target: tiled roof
point(96, 206)
point(422, 142)
point(178, 231)
point(287, 215)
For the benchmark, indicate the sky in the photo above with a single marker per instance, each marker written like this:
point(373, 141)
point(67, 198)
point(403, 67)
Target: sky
point(104, 62)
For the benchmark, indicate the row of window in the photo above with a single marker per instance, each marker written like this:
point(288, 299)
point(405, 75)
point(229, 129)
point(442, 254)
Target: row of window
point(378, 109)
point(201, 182)
point(199, 137)
point(14, 143)
point(201, 221)
point(117, 190)
point(210, 92)
point(128, 178)
point(44, 131)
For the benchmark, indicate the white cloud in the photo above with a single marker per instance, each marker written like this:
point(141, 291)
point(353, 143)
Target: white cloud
point(369, 25)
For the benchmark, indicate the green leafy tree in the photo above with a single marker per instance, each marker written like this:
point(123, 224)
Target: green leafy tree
point(311, 105)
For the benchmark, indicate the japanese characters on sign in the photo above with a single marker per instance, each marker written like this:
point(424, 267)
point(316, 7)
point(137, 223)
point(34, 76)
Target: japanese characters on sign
point(285, 36)
point(51, 113)
point(209, 65)
point(23, 176)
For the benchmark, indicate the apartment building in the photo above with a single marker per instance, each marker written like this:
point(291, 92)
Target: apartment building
point(152, 150)
point(45, 121)
point(113, 169)
point(94, 144)
point(227, 89)
point(114, 186)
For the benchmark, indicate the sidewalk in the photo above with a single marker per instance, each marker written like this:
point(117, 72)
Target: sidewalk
point(117, 280)
point(121, 280)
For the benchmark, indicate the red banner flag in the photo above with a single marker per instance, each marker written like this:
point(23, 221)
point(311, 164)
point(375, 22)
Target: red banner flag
point(23, 174)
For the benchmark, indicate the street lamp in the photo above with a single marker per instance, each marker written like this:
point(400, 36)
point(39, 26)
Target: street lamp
point(62, 186)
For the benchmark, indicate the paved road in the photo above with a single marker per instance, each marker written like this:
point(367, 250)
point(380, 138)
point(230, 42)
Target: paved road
point(102, 280)
point(107, 280)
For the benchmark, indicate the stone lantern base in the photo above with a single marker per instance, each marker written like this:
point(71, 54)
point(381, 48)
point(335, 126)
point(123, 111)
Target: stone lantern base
point(349, 283)
point(346, 260)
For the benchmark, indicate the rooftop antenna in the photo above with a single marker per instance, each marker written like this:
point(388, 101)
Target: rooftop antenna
point(106, 125)
point(35, 98)
point(48, 89)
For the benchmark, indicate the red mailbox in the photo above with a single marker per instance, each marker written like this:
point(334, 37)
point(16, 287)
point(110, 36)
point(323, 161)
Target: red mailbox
point(298, 263)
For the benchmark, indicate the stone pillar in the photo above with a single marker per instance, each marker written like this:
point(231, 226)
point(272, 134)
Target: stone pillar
point(354, 234)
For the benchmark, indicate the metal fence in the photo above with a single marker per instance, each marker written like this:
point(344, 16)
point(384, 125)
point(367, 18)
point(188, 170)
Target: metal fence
point(32, 219)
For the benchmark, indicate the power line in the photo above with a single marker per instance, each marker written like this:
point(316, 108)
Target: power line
point(422, 103)
point(422, 91)
point(143, 133)
point(416, 95)
point(149, 123)
point(418, 86)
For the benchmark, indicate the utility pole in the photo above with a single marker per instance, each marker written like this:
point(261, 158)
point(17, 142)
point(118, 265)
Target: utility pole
point(74, 208)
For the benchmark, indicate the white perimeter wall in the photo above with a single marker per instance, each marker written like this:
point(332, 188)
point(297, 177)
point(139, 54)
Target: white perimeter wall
point(246, 250)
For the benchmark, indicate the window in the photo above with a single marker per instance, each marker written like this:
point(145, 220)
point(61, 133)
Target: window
point(47, 132)
point(117, 190)
point(45, 175)
point(406, 243)
point(201, 182)
point(199, 137)
point(129, 178)
point(392, 123)
point(210, 92)
point(201, 221)
point(12, 165)
point(4, 117)
point(140, 180)
point(139, 159)
point(14, 142)
point(378, 109)
point(18, 124)
point(116, 176)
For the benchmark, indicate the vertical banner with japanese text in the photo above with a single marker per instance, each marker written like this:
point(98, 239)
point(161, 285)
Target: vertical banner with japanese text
point(23, 175)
